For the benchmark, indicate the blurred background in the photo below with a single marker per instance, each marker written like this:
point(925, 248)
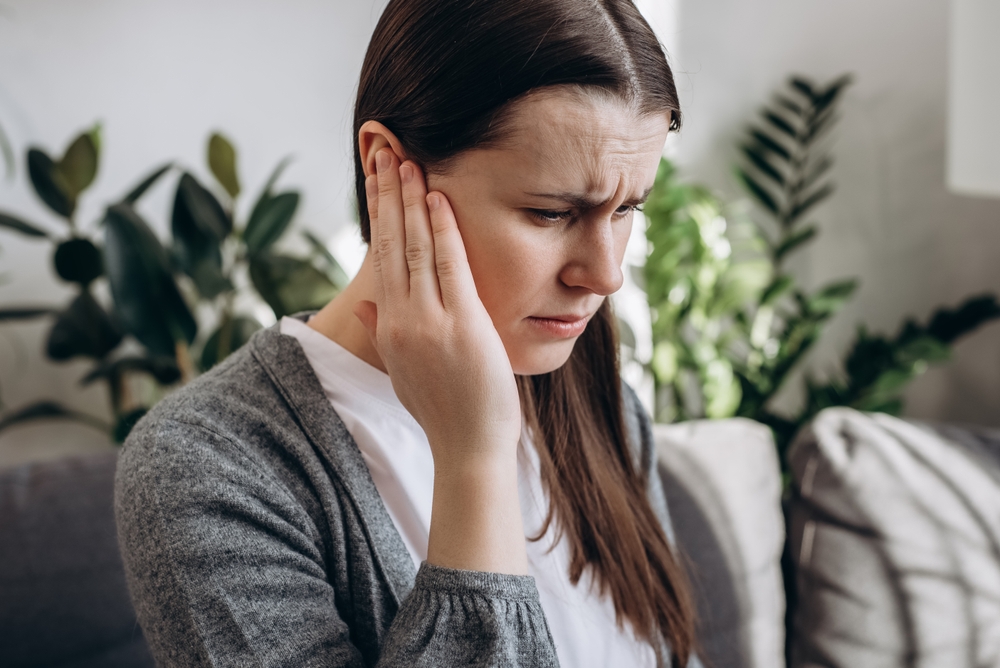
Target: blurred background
point(278, 80)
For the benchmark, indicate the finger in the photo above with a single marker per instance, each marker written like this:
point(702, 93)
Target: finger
point(450, 260)
point(371, 194)
point(390, 257)
point(419, 239)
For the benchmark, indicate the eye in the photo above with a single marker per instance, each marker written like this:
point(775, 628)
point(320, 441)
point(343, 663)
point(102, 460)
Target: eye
point(626, 209)
point(547, 216)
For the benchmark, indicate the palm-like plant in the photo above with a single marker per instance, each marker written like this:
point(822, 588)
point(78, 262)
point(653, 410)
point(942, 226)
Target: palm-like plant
point(731, 323)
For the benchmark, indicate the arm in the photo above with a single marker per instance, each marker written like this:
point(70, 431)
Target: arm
point(448, 367)
point(226, 568)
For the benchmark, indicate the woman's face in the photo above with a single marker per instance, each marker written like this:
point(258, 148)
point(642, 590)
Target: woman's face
point(545, 216)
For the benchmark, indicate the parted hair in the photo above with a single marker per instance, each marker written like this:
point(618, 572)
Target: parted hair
point(443, 75)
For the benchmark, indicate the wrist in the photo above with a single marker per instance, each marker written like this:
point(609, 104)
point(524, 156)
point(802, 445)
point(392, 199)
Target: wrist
point(474, 458)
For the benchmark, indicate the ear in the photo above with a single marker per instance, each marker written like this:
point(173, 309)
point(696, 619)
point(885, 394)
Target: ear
point(372, 137)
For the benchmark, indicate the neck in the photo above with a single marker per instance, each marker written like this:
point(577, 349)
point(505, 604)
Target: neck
point(337, 321)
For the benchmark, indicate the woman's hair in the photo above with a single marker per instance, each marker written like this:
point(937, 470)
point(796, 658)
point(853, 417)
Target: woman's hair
point(441, 75)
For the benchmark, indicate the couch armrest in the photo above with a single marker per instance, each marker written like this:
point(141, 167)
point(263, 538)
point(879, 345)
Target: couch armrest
point(723, 488)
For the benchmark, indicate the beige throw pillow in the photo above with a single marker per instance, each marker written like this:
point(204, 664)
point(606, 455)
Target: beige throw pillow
point(896, 535)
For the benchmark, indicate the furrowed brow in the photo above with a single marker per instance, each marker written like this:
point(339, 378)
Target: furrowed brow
point(583, 202)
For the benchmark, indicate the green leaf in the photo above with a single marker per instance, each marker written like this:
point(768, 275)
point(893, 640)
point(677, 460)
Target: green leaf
point(78, 165)
point(808, 203)
point(126, 423)
point(49, 183)
point(830, 299)
point(78, 260)
point(760, 193)
point(163, 369)
point(25, 313)
point(790, 105)
point(83, 329)
point(147, 300)
point(333, 268)
point(760, 161)
point(139, 190)
point(794, 241)
point(949, 324)
point(721, 389)
point(208, 278)
point(290, 285)
point(18, 225)
point(271, 180)
point(820, 125)
point(222, 162)
point(269, 220)
point(816, 170)
point(199, 225)
point(665, 362)
point(200, 209)
point(240, 329)
point(781, 124)
point(48, 410)
point(778, 287)
point(803, 85)
point(829, 95)
point(768, 143)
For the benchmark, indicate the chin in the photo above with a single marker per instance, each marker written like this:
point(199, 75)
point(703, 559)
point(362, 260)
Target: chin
point(536, 360)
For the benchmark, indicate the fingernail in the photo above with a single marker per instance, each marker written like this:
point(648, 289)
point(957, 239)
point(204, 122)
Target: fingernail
point(382, 160)
point(371, 185)
point(433, 202)
point(405, 173)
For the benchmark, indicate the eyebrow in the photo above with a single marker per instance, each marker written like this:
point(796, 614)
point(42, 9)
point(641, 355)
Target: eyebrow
point(582, 201)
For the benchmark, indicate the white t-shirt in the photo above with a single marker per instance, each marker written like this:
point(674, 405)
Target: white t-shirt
point(399, 458)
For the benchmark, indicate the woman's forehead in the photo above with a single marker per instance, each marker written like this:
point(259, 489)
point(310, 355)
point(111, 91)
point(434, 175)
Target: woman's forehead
point(564, 140)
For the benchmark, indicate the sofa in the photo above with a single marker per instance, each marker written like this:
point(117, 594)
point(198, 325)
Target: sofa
point(893, 548)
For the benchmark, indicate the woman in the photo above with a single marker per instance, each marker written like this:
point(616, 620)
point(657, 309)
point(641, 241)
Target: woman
point(441, 467)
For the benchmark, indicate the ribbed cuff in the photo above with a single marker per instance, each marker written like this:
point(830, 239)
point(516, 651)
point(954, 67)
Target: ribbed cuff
point(492, 585)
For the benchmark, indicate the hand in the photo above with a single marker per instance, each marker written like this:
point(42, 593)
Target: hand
point(449, 369)
point(447, 363)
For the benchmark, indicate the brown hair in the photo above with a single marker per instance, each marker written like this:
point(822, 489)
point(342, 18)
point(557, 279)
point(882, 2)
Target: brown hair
point(442, 74)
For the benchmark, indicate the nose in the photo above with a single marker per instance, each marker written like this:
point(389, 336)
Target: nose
point(595, 254)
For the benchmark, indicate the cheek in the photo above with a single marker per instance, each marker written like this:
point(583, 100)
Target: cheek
point(508, 262)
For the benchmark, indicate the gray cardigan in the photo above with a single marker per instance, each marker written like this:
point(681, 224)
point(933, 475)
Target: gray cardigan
point(253, 535)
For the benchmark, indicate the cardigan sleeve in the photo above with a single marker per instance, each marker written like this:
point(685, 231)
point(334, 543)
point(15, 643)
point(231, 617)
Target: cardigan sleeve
point(226, 568)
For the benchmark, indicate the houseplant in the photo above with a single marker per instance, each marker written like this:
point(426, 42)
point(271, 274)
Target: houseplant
point(730, 321)
point(154, 331)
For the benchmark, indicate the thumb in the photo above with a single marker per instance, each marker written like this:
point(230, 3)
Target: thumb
point(367, 313)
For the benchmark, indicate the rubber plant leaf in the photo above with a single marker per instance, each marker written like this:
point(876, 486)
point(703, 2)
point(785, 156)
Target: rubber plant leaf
point(49, 184)
point(82, 329)
point(147, 299)
point(222, 162)
point(18, 225)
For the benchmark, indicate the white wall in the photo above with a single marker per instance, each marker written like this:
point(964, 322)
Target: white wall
point(892, 222)
point(279, 78)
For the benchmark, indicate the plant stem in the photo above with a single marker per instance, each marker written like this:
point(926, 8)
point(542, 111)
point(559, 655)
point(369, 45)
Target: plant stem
point(184, 363)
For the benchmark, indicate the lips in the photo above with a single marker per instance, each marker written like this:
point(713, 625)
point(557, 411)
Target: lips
point(564, 326)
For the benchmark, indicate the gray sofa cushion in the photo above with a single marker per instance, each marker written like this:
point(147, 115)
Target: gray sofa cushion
point(63, 598)
point(723, 488)
point(896, 535)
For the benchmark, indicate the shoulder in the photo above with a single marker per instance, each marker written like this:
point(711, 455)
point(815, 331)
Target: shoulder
point(231, 432)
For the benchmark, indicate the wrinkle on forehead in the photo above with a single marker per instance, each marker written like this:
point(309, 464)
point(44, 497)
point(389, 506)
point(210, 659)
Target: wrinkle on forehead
point(597, 141)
